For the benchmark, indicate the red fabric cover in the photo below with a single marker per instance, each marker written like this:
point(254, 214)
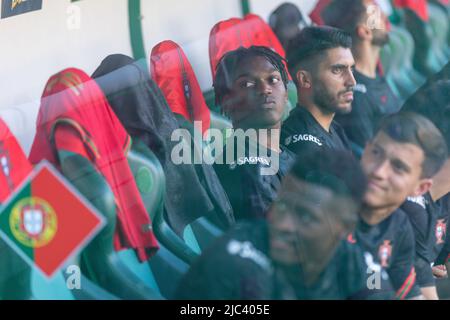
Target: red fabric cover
point(92, 130)
point(262, 35)
point(233, 33)
point(316, 14)
point(226, 35)
point(418, 6)
point(14, 165)
point(173, 73)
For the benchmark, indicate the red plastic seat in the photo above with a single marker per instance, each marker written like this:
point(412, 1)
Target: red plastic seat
point(316, 13)
point(173, 73)
point(228, 35)
point(15, 166)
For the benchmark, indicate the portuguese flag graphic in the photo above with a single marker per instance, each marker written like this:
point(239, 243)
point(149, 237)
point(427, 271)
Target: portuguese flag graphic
point(46, 221)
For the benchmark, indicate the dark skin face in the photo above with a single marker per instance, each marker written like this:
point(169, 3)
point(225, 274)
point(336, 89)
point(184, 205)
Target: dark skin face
point(304, 227)
point(257, 97)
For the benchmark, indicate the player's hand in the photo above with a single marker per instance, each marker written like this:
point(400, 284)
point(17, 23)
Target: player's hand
point(440, 271)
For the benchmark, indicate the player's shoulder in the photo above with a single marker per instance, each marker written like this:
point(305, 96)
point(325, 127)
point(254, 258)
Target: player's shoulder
point(400, 224)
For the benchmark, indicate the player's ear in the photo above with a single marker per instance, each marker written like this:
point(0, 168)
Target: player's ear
point(304, 79)
point(423, 187)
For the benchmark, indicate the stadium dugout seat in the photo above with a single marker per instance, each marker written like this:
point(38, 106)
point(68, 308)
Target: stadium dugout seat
point(181, 88)
point(439, 22)
point(188, 105)
point(446, 9)
point(385, 57)
point(226, 35)
point(197, 235)
point(15, 281)
point(400, 74)
point(22, 282)
point(426, 57)
point(150, 180)
point(395, 75)
point(121, 272)
point(205, 232)
point(99, 261)
point(408, 53)
point(57, 288)
point(54, 289)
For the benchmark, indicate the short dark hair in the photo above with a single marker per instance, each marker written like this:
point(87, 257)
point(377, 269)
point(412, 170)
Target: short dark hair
point(433, 102)
point(311, 43)
point(410, 127)
point(338, 171)
point(344, 14)
point(230, 61)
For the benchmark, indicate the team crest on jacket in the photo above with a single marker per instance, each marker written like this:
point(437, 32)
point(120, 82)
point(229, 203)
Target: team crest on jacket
point(440, 231)
point(351, 239)
point(33, 222)
point(288, 141)
point(385, 252)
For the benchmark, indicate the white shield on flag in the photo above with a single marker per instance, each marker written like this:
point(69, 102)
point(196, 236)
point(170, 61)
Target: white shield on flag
point(33, 221)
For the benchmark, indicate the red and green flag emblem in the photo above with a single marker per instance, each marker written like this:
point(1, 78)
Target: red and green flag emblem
point(46, 221)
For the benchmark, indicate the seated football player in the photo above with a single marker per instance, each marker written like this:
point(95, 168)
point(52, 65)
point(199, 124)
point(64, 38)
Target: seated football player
point(429, 214)
point(300, 251)
point(251, 87)
point(320, 62)
point(399, 162)
point(373, 97)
